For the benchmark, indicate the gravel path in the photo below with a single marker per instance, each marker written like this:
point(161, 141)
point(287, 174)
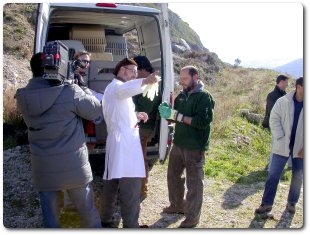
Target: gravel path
point(225, 205)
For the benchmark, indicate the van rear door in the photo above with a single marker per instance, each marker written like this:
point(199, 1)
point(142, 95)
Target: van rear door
point(41, 26)
point(168, 86)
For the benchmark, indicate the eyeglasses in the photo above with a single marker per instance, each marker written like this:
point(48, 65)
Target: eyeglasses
point(86, 61)
point(132, 70)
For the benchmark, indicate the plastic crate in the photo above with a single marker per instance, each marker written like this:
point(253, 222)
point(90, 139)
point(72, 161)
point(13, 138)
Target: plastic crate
point(93, 38)
point(117, 45)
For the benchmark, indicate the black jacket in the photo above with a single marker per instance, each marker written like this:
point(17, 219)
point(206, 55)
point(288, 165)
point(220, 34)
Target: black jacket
point(271, 100)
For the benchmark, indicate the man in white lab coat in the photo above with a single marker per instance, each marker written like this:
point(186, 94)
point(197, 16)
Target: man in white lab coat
point(124, 164)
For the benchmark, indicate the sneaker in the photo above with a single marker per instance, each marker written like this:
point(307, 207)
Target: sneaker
point(189, 223)
point(262, 209)
point(173, 210)
point(290, 207)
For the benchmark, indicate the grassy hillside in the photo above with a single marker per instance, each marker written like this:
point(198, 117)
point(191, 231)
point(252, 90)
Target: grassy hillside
point(18, 29)
point(239, 150)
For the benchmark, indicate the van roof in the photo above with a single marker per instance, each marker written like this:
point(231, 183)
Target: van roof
point(121, 18)
point(118, 7)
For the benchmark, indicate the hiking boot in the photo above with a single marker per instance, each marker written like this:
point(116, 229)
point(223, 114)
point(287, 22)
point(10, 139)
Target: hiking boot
point(189, 223)
point(143, 226)
point(173, 210)
point(142, 197)
point(290, 207)
point(109, 225)
point(262, 209)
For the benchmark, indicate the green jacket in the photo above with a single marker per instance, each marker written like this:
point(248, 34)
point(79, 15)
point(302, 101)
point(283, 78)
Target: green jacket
point(144, 104)
point(199, 105)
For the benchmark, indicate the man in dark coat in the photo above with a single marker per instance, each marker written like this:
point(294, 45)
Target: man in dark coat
point(273, 96)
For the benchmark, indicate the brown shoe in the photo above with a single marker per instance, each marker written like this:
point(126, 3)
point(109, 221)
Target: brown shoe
point(189, 223)
point(173, 210)
point(262, 209)
point(290, 207)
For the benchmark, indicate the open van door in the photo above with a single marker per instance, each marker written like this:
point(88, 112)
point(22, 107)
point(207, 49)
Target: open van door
point(41, 26)
point(166, 132)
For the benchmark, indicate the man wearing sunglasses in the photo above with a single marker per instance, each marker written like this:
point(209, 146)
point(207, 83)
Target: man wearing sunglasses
point(80, 67)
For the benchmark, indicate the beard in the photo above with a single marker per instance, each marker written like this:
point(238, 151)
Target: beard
point(190, 86)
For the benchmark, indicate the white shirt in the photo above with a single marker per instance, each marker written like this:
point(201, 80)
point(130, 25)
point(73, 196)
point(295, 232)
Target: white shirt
point(124, 157)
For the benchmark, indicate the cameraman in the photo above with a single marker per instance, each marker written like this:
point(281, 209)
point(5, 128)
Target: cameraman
point(52, 113)
point(80, 66)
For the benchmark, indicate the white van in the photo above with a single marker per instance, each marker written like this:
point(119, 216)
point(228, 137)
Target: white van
point(104, 29)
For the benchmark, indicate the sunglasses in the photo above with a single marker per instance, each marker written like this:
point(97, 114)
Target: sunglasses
point(86, 61)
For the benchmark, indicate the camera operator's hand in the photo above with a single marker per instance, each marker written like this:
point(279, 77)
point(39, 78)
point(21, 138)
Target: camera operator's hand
point(78, 79)
point(151, 79)
point(78, 64)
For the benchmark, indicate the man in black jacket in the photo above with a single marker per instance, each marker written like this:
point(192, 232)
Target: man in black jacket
point(273, 96)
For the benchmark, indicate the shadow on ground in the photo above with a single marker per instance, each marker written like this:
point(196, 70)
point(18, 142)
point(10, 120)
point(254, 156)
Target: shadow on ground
point(243, 188)
point(166, 220)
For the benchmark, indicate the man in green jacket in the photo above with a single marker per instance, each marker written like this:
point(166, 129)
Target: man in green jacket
point(144, 104)
point(193, 115)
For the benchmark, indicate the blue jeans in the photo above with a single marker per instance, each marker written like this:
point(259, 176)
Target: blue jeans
point(83, 200)
point(289, 163)
point(276, 168)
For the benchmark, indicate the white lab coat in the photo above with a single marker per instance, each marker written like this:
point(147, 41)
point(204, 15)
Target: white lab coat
point(124, 157)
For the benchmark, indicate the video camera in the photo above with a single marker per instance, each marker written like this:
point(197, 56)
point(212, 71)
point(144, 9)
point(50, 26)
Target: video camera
point(57, 66)
point(55, 62)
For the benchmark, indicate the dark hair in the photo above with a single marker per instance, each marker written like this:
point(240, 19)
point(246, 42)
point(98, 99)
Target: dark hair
point(281, 78)
point(36, 65)
point(123, 62)
point(192, 70)
point(300, 82)
point(143, 63)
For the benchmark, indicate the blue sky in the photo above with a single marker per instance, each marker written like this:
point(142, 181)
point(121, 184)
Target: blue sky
point(259, 34)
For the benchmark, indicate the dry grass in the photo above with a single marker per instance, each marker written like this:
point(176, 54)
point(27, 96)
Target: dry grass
point(237, 88)
point(10, 113)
